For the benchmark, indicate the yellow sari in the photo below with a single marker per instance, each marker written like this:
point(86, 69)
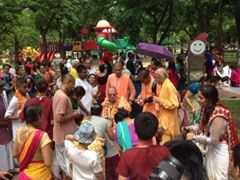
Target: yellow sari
point(30, 169)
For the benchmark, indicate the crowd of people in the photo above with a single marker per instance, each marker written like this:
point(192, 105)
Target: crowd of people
point(227, 76)
point(112, 123)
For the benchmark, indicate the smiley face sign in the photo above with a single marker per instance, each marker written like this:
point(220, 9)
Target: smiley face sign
point(197, 47)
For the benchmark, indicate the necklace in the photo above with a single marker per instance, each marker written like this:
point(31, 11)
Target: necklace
point(144, 144)
point(41, 97)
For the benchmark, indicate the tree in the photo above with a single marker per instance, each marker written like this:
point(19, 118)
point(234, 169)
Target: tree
point(44, 13)
point(235, 5)
point(154, 15)
point(219, 26)
point(9, 22)
point(195, 16)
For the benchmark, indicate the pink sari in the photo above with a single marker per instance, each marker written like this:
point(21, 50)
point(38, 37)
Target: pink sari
point(30, 169)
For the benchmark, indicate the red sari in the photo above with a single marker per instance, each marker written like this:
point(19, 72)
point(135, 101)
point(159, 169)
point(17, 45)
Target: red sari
point(30, 169)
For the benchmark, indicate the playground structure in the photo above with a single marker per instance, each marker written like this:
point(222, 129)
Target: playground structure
point(105, 32)
point(106, 41)
point(106, 36)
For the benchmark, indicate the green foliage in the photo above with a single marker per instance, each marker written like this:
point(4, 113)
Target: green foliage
point(153, 17)
point(25, 22)
point(233, 106)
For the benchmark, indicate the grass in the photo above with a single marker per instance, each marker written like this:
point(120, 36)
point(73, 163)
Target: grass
point(234, 107)
point(230, 53)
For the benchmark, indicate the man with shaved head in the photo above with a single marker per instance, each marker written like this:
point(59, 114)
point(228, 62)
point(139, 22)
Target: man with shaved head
point(167, 99)
point(144, 97)
point(121, 82)
point(64, 123)
point(110, 105)
point(113, 102)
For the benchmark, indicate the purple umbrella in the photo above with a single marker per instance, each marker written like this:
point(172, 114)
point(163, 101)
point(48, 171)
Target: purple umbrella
point(153, 50)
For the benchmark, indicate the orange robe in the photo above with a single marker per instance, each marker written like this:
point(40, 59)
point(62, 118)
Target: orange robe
point(146, 92)
point(109, 109)
point(123, 85)
point(168, 104)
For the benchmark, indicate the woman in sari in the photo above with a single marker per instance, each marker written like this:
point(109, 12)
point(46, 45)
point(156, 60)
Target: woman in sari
point(33, 147)
point(125, 132)
point(215, 134)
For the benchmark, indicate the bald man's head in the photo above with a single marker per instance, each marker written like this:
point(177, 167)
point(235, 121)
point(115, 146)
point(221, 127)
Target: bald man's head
point(66, 78)
point(68, 83)
point(119, 63)
point(160, 75)
point(112, 94)
point(118, 67)
point(144, 76)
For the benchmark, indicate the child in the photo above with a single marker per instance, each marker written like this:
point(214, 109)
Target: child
point(16, 105)
point(125, 132)
point(86, 164)
point(76, 97)
point(138, 162)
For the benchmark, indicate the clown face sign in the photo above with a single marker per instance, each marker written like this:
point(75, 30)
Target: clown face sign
point(197, 47)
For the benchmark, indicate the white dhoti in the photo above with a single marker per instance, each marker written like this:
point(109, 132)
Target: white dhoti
point(6, 162)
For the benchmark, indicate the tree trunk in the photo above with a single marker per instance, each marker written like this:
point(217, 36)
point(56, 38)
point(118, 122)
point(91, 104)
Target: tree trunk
point(63, 55)
point(237, 19)
point(154, 35)
point(44, 43)
point(60, 42)
point(16, 49)
point(169, 23)
point(219, 27)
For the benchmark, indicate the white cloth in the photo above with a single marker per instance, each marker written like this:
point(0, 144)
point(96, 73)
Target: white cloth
point(6, 157)
point(85, 162)
point(217, 153)
point(5, 99)
point(87, 99)
point(12, 71)
point(12, 111)
point(60, 160)
point(217, 161)
point(68, 64)
point(59, 83)
point(92, 70)
point(56, 168)
point(225, 72)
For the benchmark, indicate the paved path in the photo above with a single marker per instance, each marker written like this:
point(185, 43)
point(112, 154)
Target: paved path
point(229, 93)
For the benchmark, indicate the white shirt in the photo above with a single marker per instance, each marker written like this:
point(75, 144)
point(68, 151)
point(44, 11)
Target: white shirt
point(85, 162)
point(12, 110)
point(87, 99)
point(12, 71)
point(225, 72)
